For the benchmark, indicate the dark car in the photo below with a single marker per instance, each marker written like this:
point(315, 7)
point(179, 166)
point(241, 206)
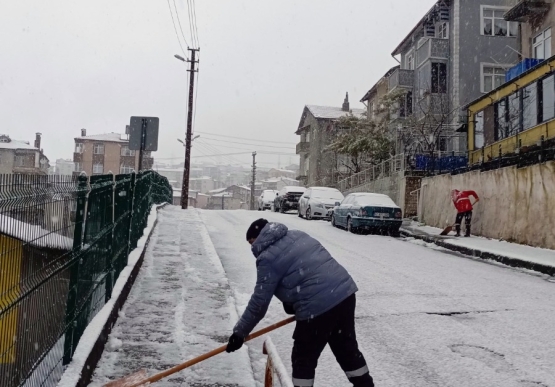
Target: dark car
point(368, 211)
point(287, 198)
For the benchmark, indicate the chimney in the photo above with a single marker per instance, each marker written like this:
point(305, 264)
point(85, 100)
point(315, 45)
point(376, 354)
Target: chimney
point(83, 132)
point(345, 107)
point(37, 140)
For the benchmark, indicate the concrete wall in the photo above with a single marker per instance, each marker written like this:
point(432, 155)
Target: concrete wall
point(516, 204)
point(529, 31)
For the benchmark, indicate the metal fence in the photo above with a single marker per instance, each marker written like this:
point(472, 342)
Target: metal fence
point(387, 168)
point(63, 242)
point(275, 374)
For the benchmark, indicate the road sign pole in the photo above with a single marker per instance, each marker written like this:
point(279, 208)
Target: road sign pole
point(143, 140)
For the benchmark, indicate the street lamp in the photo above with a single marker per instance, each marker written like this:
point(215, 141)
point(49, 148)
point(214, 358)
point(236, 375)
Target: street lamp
point(180, 58)
point(193, 139)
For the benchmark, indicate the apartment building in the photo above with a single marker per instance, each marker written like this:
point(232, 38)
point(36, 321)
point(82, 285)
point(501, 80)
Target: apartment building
point(518, 117)
point(64, 167)
point(318, 165)
point(457, 52)
point(20, 157)
point(109, 152)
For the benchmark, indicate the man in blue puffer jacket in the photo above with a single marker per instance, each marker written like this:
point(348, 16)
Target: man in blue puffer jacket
point(303, 275)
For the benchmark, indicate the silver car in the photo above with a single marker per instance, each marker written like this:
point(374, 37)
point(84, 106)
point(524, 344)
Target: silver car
point(266, 200)
point(318, 202)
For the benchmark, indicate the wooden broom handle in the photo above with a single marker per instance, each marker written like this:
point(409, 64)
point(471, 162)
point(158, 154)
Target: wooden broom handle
point(189, 363)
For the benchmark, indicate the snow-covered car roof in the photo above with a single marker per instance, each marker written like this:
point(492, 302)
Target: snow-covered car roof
point(294, 189)
point(374, 199)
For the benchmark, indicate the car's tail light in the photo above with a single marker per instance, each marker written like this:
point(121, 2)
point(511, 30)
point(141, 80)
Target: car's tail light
point(398, 214)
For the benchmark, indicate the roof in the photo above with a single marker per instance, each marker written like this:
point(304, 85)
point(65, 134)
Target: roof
point(331, 112)
point(375, 87)
point(217, 190)
point(14, 144)
point(112, 137)
point(35, 236)
point(324, 188)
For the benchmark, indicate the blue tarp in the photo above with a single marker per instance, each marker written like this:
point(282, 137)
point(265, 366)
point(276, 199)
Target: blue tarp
point(520, 68)
point(445, 163)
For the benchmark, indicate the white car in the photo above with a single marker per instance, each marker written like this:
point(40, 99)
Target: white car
point(266, 200)
point(318, 202)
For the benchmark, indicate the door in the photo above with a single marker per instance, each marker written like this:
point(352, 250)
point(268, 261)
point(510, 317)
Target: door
point(343, 210)
point(303, 202)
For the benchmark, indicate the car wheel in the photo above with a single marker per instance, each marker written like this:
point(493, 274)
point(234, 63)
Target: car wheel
point(281, 210)
point(350, 227)
point(308, 214)
point(333, 221)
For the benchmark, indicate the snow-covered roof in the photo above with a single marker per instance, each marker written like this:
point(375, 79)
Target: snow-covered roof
point(374, 199)
point(113, 137)
point(33, 235)
point(217, 190)
point(14, 144)
point(331, 112)
point(223, 194)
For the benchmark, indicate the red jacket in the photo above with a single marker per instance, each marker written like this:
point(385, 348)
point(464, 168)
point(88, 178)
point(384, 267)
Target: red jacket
point(462, 200)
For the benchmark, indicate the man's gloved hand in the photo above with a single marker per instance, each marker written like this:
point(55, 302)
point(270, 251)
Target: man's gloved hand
point(288, 308)
point(235, 342)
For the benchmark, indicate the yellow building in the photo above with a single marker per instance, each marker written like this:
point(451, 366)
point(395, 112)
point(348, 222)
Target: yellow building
point(515, 118)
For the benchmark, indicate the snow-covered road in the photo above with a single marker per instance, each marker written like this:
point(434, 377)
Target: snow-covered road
point(424, 317)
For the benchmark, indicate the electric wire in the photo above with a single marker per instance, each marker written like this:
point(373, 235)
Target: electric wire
point(175, 29)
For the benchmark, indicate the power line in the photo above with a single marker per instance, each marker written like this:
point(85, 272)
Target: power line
point(175, 29)
point(243, 138)
point(195, 22)
point(189, 13)
point(179, 21)
point(242, 143)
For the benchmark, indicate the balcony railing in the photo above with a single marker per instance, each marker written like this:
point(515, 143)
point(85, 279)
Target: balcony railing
point(303, 147)
point(526, 10)
point(401, 78)
point(432, 48)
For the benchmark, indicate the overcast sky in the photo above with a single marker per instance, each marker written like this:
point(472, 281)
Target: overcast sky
point(67, 65)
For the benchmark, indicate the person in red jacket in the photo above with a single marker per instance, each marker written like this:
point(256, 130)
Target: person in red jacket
point(464, 207)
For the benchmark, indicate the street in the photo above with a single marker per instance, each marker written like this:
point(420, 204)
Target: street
point(425, 317)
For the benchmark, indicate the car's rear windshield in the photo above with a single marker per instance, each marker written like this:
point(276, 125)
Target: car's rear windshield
point(327, 194)
point(375, 201)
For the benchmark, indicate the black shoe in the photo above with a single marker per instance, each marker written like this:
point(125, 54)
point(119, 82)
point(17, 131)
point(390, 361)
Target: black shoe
point(467, 235)
point(457, 235)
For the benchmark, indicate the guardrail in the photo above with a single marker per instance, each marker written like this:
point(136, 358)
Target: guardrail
point(275, 370)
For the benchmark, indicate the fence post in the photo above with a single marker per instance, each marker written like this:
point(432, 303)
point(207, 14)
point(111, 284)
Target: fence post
point(110, 270)
point(130, 232)
point(71, 323)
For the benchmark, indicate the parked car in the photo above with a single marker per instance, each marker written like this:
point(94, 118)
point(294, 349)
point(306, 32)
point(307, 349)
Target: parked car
point(318, 202)
point(368, 211)
point(266, 199)
point(287, 198)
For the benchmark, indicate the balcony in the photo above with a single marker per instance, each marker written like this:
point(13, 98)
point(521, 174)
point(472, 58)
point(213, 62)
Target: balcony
point(401, 78)
point(432, 48)
point(526, 10)
point(303, 147)
point(521, 68)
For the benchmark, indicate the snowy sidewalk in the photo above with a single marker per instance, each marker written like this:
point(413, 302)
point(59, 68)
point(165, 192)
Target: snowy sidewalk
point(180, 307)
point(512, 254)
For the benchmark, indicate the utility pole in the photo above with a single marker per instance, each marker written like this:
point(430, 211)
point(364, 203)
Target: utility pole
point(253, 179)
point(188, 140)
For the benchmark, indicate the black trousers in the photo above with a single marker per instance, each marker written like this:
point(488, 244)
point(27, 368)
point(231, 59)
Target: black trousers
point(467, 219)
point(336, 328)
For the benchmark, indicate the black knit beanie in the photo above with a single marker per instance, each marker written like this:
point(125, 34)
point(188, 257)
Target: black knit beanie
point(256, 227)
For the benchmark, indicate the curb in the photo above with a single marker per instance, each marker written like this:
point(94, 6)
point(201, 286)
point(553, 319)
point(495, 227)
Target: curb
point(96, 353)
point(485, 255)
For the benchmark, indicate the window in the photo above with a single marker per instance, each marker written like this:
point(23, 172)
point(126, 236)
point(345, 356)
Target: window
point(79, 147)
point(442, 30)
point(530, 106)
point(409, 61)
point(502, 120)
point(542, 45)
point(308, 136)
point(441, 144)
point(19, 161)
point(492, 77)
point(479, 130)
point(514, 114)
point(405, 108)
point(126, 169)
point(78, 167)
point(439, 78)
point(125, 151)
point(548, 98)
point(493, 23)
point(371, 110)
point(98, 149)
point(98, 169)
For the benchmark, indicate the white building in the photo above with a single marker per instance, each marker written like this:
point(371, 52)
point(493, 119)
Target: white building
point(64, 167)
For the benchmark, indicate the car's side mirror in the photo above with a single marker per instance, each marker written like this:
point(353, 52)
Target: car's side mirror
point(337, 204)
point(307, 197)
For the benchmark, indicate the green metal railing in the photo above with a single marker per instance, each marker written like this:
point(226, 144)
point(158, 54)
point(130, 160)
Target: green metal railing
point(63, 244)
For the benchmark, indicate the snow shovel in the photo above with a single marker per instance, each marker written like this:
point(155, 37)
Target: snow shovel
point(140, 378)
point(447, 230)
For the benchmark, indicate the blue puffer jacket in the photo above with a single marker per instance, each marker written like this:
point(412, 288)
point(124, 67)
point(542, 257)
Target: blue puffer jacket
point(298, 270)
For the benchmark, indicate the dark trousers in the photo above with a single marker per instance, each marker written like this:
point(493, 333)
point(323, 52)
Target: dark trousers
point(467, 219)
point(336, 328)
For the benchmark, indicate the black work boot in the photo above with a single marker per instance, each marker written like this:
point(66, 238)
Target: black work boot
point(458, 229)
point(467, 235)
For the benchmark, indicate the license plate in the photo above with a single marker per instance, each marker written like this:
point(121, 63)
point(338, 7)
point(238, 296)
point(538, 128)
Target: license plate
point(381, 215)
